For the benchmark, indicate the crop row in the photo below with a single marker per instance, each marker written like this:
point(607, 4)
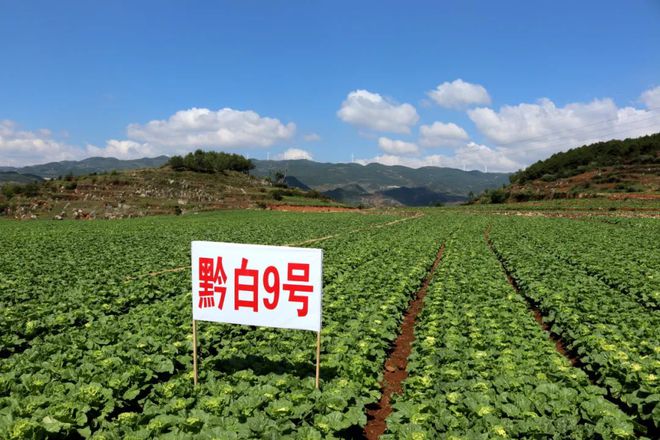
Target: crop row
point(624, 258)
point(481, 366)
point(614, 336)
point(108, 373)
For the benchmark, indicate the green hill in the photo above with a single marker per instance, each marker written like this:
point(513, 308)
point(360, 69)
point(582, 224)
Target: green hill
point(642, 150)
point(615, 169)
point(14, 177)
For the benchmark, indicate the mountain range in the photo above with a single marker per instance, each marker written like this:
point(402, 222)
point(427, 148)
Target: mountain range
point(351, 183)
point(90, 165)
point(382, 184)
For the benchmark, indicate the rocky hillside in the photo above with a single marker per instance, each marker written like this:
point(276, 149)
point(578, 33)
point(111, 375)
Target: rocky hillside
point(143, 192)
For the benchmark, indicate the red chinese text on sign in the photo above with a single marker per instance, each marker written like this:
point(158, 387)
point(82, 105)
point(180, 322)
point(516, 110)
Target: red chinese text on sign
point(298, 272)
point(246, 280)
point(211, 281)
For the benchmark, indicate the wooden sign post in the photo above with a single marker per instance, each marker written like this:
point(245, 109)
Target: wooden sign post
point(194, 352)
point(270, 286)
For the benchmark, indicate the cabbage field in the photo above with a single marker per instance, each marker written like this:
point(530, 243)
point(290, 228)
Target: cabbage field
point(531, 327)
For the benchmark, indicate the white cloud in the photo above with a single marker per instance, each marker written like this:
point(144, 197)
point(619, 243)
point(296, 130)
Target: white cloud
point(391, 159)
point(311, 137)
point(22, 147)
point(187, 130)
point(651, 98)
point(529, 132)
point(201, 127)
point(439, 134)
point(397, 147)
point(181, 133)
point(370, 110)
point(459, 94)
point(471, 156)
point(122, 150)
point(294, 154)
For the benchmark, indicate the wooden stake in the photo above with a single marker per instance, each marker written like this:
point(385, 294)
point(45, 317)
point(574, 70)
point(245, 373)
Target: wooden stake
point(194, 352)
point(318, 357)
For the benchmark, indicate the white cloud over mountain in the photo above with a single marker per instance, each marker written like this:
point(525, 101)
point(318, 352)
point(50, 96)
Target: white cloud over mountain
point(470, 156)
point(201, 127)
point(440, 134)
point(518, 135)
point(23, 147)
point(294, 154)
point(369, 110)
point(392, 146)
point(123, 149)
point(510, 137)
point(181, 133)
point(529, 132)
point(459, 94)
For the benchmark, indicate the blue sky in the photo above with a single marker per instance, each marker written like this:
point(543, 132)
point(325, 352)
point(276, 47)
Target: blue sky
point(514, 81)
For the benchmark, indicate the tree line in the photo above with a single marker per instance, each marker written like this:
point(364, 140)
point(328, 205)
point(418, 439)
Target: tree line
point(211, 162)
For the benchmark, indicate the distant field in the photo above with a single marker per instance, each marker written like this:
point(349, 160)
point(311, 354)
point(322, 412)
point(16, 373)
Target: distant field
point(596, 205)
point(531, 327)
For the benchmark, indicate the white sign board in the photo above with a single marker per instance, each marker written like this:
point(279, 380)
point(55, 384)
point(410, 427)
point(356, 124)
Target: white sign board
point(268, 286)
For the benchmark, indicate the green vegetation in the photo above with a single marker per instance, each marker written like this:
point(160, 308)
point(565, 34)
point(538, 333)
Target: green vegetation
point(481, 366)
point(211, 162)
point(95, 328)
point(642, 150)
point(614, 331)
point(10, 190)
point(14, 177)
point(593, 206)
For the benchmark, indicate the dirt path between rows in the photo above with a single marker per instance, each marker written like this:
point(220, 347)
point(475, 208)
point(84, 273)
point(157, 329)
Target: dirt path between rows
point(394, 371)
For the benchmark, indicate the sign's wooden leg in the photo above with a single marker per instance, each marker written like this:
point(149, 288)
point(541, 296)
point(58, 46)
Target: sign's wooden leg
point(318, 357)
point(194, 329)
